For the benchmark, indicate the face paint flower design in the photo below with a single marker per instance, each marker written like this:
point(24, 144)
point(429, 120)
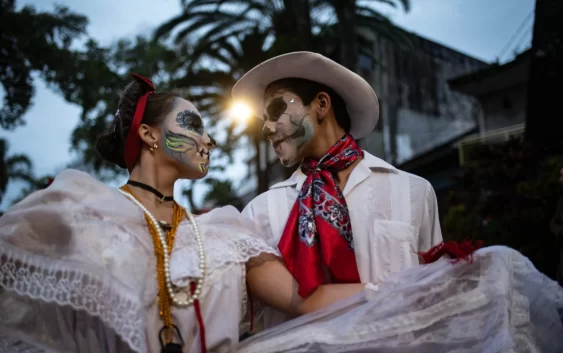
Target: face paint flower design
point(187, 141)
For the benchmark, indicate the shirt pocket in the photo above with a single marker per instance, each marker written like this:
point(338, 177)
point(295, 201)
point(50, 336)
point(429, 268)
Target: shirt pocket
point(393, 247)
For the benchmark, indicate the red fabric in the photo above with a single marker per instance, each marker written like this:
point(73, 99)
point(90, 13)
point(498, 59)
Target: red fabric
point(199, 321)
point(133, 141)
point(251, 304)
point(317, 244)
point(50, 181)
point(454, 250)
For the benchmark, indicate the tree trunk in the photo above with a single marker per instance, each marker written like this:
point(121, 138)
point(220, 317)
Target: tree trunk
point(544, 123)
point(346, 15)
point(300, 23)
point(261, 175)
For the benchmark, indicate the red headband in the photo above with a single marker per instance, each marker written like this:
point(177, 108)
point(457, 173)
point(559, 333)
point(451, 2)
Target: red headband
point(133, 141)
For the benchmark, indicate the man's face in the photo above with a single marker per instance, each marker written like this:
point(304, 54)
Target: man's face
point(288, 125)
point(186, 141)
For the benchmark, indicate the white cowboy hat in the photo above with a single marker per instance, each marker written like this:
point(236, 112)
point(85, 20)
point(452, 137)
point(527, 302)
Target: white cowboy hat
point(361, 101)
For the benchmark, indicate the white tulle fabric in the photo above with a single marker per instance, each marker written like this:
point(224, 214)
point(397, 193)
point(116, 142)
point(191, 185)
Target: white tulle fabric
point(78, 273)
point(498, 303)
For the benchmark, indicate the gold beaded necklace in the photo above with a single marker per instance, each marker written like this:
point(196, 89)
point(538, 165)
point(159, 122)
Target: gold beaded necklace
point(164, 300)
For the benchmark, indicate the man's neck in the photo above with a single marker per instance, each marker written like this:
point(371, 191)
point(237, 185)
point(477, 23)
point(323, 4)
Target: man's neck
point(330, 137)
point(325, 141)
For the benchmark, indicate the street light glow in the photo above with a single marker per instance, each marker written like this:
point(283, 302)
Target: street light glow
point(241, 111)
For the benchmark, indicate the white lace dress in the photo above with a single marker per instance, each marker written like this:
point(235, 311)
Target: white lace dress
point(78, 273)
point(498, 304)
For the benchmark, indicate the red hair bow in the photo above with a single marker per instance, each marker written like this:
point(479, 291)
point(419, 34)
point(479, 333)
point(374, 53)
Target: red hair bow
point(133, 141)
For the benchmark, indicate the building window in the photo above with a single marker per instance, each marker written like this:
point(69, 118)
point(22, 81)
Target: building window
point(366, 65)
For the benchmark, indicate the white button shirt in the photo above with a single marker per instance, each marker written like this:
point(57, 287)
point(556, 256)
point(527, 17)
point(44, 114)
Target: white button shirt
point(394, 215)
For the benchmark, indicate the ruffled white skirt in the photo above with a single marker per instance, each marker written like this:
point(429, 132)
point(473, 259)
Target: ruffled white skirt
point(497, 303)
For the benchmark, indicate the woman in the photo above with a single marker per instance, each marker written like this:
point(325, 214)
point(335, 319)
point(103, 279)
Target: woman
point(84, 267)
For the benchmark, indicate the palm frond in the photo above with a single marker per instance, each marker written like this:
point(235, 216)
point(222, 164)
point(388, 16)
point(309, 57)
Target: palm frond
point(167, 27)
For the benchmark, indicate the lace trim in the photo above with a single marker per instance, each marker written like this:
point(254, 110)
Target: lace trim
point(439, 304)
point(39, 278)
point(524, 276)
point(220, 253)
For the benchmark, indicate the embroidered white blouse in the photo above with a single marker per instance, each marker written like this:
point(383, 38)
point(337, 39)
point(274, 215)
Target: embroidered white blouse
point(78, 273)
point(394, 215)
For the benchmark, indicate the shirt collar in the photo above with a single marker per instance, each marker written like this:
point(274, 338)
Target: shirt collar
point(362, 171)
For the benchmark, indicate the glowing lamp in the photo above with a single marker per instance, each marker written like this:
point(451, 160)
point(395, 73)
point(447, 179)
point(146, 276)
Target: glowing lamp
point(241, 111)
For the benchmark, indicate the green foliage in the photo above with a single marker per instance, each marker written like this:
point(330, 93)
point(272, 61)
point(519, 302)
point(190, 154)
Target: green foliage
point(229, 37)
point(18, 167)
point(40, 43)
point(35, 42)
point(507, 196)
point(33, 185)
point(222, 193)
point(213, 43)
point(106, 73)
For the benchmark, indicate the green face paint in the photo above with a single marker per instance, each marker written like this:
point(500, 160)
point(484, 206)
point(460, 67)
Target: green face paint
point(186, 140)
point(179, 143)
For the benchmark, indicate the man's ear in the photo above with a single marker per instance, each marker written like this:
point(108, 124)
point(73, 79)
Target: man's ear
point(324, 104)
point(149, 134)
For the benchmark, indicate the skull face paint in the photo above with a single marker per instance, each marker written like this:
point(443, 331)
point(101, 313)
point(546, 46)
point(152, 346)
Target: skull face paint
point(186, 140)
point(288, 125)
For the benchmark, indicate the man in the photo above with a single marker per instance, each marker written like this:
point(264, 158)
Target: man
point(345, 216)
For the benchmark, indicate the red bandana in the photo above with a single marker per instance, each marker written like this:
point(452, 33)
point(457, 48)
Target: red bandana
point(318, 233)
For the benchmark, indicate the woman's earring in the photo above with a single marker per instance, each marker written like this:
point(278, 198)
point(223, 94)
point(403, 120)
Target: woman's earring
point(153, 148)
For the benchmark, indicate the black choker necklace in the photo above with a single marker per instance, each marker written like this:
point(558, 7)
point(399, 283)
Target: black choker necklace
point(151, 189)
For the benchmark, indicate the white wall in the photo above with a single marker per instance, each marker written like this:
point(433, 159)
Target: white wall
point(506, 108)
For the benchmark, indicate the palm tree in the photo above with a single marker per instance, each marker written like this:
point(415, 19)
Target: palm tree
point(15, 167)
point(234, 36)
point(289, 23)
point(353, 16)
point(32, 43)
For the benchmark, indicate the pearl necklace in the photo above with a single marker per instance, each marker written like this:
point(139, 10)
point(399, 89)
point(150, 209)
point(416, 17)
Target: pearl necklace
point(161, 236)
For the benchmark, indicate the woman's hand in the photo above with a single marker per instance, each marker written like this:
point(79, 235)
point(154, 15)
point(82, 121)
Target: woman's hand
point(269, 281)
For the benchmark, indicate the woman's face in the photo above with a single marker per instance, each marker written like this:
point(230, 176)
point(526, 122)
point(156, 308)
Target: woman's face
point(186, 141)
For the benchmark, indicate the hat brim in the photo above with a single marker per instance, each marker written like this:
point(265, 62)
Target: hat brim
point(361, 101)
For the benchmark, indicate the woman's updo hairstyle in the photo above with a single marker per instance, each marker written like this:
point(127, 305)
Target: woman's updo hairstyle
point(112, 144)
